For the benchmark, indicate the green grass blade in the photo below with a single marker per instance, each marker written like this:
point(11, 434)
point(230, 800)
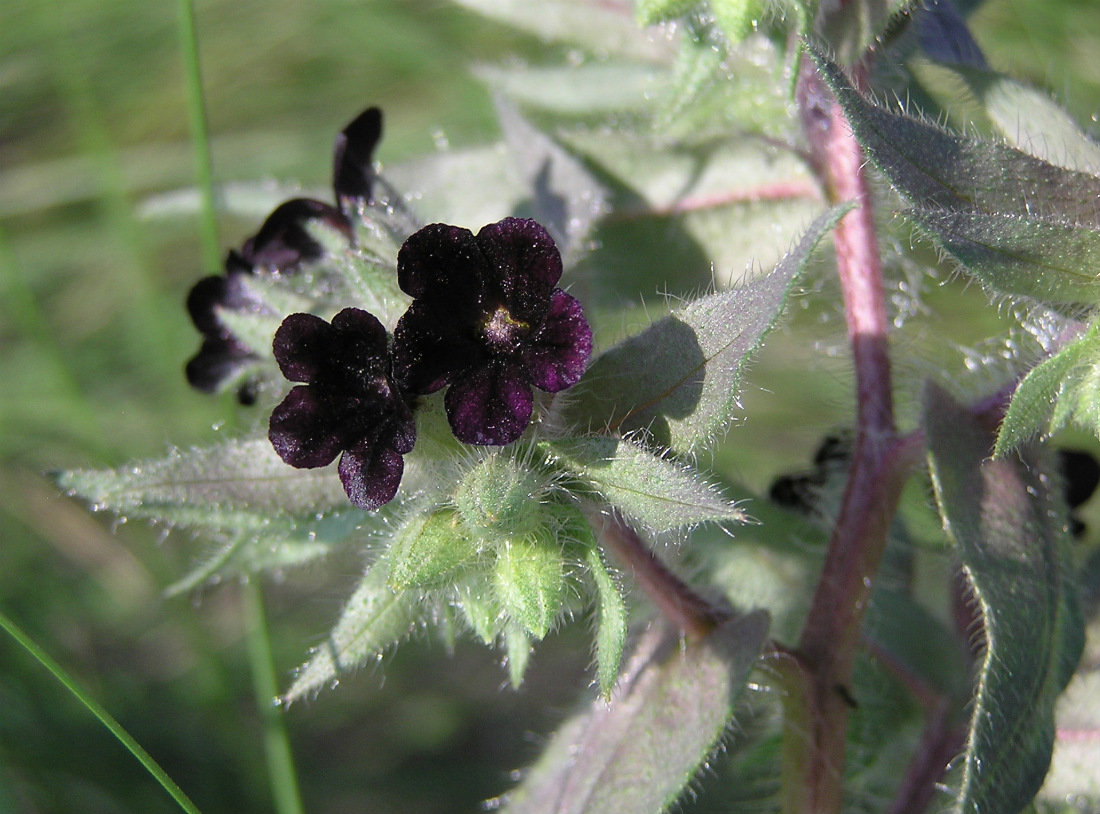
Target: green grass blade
point(124, 737)
point(280, 760)
point(200, 138)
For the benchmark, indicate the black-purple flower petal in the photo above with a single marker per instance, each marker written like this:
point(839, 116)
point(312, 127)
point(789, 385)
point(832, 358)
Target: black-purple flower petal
point(488, 320)
point(347, 403)
point(221, 357)
point(353, 172)
point(284, 242)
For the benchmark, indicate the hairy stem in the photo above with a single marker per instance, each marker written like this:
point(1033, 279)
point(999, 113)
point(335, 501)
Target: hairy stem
point(674, 598)
point(880, 466)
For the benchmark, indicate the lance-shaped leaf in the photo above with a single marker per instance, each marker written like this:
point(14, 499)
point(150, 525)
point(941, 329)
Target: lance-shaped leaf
point(374, 619)
point(603, 28)
point(1012, 254)
point(1008, 520)
point(936, 169)
point(638, 751)
point(234, 485)
point(1058, 389)
point(854, 27)
point(285, 542)
point(562, 194)
point(679, 379)
point(657, 493)
point(1033, 122)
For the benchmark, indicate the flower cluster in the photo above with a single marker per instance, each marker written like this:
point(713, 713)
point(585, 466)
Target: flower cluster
point(282, 244)
point(487, 320)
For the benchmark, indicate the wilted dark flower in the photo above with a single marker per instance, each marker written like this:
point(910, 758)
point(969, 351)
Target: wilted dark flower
point(282, 244)
point(348, 403)
point(222, 356)
point(487, 320)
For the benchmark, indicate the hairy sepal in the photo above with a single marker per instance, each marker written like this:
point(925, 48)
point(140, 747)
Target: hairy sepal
point(1008, 519)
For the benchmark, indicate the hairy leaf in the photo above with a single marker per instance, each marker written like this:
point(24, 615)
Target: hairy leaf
point(235, 485)
point(1048, 396)
point(936, 169)
point(638, 751)
point(374, 619)
point(1008, 519)
point(679, 380)
point(603, 28)
point(579, 90)
point(1012, 254)
point(854, 27)
point(285, 542)
point(724, 201)
point(1033, 122)
point(562, 194)
point(658, 493)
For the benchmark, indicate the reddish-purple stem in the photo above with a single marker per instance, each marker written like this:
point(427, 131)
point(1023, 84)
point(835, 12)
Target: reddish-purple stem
point(880, 464)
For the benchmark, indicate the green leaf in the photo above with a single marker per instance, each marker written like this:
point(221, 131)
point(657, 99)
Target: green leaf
point(429, 549)
point(637, 752)
point(561, 193)
point(679, 379)
point(690, 213)
point(1046, 397)
point(374, 619)
point(529, 580)
point(600, 28)
point(579, 90)
point(235, 485)
point(854, 27)
point(651, 12)
point(1012, 254)
point(1033, 122)
point(655, 492)
point(1008, 519)
point(285, 542)
point(610, 621)
point(737, 18)
point(936, 169)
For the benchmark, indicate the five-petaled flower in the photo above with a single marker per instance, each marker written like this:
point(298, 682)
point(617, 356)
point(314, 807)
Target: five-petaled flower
point(488, 320)
point(347, 403)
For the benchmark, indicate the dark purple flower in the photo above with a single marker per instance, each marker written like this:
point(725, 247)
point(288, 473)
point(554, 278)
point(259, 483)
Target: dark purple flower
point(222, 357)
point(353, 172)
point(488, 320)
point(282, 244)
point(348, 403)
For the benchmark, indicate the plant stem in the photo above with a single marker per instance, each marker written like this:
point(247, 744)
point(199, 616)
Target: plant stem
point(200, 137)
point(85, 698)
point(880, 465)
point(280, 760)
point(676, 600)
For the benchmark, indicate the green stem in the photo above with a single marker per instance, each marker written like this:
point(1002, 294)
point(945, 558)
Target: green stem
point(102, 714)
point(280, 761)
point(200, 138)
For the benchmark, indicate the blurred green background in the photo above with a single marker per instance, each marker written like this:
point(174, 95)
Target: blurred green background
point(93, 338)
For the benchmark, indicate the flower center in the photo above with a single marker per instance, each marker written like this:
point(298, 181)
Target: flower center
point(502, 332)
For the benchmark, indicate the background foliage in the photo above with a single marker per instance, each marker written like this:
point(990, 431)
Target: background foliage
point(92, 342)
